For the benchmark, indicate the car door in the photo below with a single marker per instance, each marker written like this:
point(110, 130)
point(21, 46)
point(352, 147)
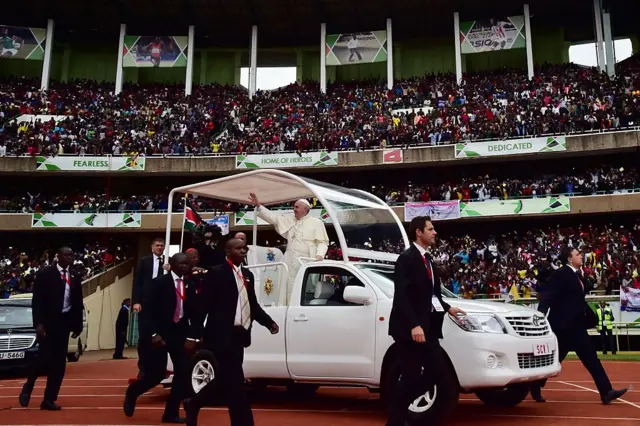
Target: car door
point(326, 336)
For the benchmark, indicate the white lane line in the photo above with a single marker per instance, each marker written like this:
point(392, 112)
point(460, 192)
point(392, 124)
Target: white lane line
point(71, 386)
point(530, 401)
point(595, 391)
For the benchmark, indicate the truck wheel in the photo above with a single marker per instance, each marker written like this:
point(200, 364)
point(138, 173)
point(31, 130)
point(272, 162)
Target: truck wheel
point(303, 390)
point(203, 370)
point(510, 396)
point(434, 405)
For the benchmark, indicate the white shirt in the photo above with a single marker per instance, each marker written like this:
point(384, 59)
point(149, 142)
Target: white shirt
point(179, 289)
point(237, 273)
point(157, 266)
point(66, 304)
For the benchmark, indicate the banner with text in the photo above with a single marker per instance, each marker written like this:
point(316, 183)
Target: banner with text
point(559, 204)
point(221, 221)
point(285, 160)
point(22, 43)
point(247, 218)
point(511, 147)
point(155, 51)
point(92, 164)
point(86, 220)
point(489, 35)
point(436, 210)
point(356, 48)
point(629, 299)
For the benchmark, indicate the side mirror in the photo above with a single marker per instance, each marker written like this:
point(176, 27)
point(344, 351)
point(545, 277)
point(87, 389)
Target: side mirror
point(358, 295)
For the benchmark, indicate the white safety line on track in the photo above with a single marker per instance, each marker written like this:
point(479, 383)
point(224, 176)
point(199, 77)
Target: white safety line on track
point(595, 391)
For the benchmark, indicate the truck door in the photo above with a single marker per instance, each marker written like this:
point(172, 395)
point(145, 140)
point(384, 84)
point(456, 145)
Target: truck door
point(326, 336)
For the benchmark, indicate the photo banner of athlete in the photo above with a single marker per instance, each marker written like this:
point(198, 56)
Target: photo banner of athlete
point(356, 48)
point(22, 43)
point(491, 35)
point(155, 51)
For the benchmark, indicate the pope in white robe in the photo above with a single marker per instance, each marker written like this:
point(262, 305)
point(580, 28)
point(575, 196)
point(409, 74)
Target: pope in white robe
point(306, 237)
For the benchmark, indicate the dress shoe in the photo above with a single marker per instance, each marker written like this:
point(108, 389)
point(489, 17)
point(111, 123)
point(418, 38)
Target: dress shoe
point(25, 395)
point(173, 419)
point(50, 406)
point(612, 395)
point(537, 396)
point(192, 412)
point(129, 405)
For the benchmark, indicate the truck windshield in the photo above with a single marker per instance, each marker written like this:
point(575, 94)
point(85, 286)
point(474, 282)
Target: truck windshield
point(14, 316)
point(382, 276)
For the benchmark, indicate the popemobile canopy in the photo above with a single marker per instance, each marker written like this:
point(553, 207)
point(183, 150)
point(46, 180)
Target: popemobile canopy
point(345, 208)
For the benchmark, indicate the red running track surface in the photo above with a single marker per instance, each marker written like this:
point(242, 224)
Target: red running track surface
point(93, 392)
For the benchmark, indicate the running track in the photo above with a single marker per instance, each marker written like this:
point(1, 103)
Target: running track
point(93, 391)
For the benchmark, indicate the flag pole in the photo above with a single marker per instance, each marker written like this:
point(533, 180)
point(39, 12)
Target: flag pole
point(184, 218)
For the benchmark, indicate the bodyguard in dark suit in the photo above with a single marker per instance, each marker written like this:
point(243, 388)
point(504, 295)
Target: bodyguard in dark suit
point(416, 319)
point(149, 267)
point(169, 309)
point(231, 305)
point(122, 325)
point(57, 311)
point(570, 317)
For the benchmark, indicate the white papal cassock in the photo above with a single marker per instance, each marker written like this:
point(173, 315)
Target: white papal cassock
point(306, 237)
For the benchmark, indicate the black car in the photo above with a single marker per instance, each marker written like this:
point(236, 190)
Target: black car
point(17, 335)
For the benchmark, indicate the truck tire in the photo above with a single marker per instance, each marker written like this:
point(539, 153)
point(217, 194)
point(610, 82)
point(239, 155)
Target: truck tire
point(510, 396)
point(203, 369)
point(434, 406)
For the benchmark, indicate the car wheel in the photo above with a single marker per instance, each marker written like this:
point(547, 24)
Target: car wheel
point(74, 357)
point(431, 407)
point(204, 368)
point(510, 396)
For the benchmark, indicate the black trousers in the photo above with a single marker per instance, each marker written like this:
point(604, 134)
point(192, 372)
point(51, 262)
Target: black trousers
point(155, 370)
point(414, 381)
point(231, 379)
point(608, 342)
point(51, 359)
point(121, 338)
point(579, 341)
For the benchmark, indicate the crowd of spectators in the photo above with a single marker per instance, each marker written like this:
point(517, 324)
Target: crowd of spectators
point(489, 266)
point(18, 267)
point(215, 119)
point(604, 179)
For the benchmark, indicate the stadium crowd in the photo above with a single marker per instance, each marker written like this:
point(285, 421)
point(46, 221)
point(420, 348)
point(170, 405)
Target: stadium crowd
point(18, 266)
point(488, 267)
point(609, 179)
point(216, 119)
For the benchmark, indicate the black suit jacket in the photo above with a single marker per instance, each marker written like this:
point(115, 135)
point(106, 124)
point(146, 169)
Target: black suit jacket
point(122, 322)
point(565, 297)
point(412, 298)
point(160, 298)
point(48, 299)
point(220, 301)
point(144, 274)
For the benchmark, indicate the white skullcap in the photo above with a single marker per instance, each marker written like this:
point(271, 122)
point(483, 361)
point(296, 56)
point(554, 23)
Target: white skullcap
point(305, 202)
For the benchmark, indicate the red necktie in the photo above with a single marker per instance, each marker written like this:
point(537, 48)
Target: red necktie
point(426, 264)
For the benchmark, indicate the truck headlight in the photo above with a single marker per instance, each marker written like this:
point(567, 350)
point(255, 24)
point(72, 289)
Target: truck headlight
point(479, 323)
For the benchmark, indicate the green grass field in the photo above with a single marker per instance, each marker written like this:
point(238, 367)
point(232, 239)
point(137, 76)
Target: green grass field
point(620, 356)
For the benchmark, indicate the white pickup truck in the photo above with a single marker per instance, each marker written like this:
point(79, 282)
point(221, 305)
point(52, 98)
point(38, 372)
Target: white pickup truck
point(335, 332)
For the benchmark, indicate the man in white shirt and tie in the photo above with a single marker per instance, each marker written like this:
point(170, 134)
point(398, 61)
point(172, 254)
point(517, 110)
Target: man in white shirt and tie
point(57, 311)
point(149, 268)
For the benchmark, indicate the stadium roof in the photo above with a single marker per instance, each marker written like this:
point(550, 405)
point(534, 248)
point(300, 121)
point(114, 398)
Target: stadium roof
point(289, 23)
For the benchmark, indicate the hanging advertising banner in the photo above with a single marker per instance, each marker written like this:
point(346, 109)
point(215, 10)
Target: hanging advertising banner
point(391, 156)
point(286, 160)
point(86, 220)
point(511, 147)
point(155, 51)
point(356, 48)
point(493, 34)
point(22, 43)
point(91, 164)
point(436, 210)
point(629, 299)
point(560, 204)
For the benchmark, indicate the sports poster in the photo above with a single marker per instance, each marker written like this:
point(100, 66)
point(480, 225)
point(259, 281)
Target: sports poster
point(491, 35)
point(22, 43)
point(155, 51)
point(356, 48)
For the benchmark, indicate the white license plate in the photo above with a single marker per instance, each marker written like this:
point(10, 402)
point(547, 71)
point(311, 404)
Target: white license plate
point(541, 349)
point(11, 355)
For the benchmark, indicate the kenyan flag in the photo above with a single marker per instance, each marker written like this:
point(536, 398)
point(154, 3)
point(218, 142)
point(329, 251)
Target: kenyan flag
point(191, 217)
